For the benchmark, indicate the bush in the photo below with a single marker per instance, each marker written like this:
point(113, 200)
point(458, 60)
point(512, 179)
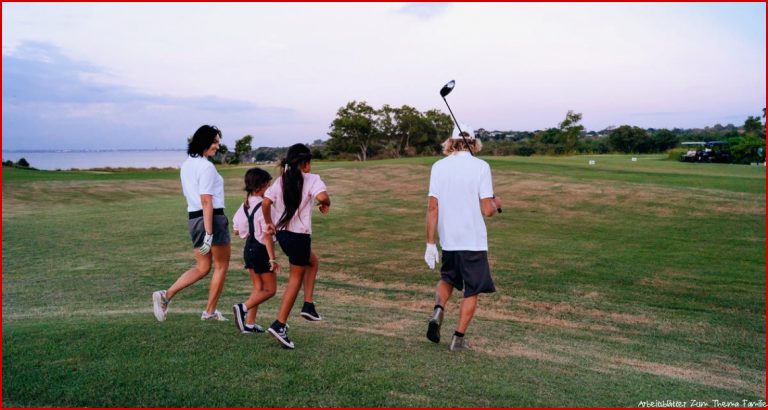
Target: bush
point(22, 163)
point(594, 146)
point(318, 153)
point(744, 150)
point(523, 150)
point(675, 153)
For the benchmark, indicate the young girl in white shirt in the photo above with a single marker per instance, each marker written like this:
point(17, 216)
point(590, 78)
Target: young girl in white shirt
point(258, 252)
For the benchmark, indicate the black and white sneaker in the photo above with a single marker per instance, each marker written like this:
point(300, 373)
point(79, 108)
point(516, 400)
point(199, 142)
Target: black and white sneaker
point(281, 334)
point(240, 312)
point(253, 329)
point(308, 312)
point(458, 343)
point(433, 327)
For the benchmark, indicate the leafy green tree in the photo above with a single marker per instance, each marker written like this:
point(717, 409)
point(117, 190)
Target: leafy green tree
point(409, 127)
point(561, 140)
point(664, 139)
point(387, 130)
point(570, 130)
point(753, 126)
point(629, 139)
point(438, 127)
point(221, 155)
point(22, 163)
point(353, 129)
point(242, 147)
point(747, 149)
point(594, 145)
point(547, 141)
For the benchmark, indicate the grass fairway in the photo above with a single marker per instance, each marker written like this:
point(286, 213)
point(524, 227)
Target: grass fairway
point(618, 283)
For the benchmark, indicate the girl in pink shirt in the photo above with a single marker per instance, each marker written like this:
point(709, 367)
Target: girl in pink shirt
point(292, 195)
point(259, 250)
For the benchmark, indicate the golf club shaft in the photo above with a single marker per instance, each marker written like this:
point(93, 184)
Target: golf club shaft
point(452, 116)
point(462, 135)
point(466, 144)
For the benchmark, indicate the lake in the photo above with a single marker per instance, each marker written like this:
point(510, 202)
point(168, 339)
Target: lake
point(65, 160)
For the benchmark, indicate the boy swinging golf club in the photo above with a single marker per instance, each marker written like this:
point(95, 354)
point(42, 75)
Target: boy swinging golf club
point(460, 194)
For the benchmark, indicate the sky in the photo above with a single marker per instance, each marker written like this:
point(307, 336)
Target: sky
point(147, 75)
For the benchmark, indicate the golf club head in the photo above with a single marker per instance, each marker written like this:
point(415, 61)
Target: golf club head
point(447, 88)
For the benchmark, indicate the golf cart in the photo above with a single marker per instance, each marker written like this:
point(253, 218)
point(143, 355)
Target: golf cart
point(710, 151)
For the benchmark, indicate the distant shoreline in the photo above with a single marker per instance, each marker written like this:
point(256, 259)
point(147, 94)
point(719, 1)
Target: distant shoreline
point(88, 159)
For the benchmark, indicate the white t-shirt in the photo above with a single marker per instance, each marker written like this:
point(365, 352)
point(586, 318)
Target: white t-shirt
point(199, 176)
point(302, 219)
point(459, 181)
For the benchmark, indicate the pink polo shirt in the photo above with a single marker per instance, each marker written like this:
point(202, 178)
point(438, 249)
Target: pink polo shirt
point(240, 220)
point(302, 219)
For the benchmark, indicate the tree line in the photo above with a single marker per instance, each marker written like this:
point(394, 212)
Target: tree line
point(362, 132)
point(388, 132)
point(21, 163)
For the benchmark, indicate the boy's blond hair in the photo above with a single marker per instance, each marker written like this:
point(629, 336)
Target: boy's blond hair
point(452, 145)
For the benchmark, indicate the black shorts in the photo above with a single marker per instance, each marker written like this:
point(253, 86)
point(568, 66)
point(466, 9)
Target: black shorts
point(256, 256)
point(297, 246)
point(467, 269)
point(220, 230)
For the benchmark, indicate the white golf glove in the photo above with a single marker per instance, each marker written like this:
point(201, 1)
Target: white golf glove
point(431, 256)
point(206, 246)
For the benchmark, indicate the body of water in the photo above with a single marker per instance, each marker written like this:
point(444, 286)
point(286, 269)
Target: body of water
point(65, 160)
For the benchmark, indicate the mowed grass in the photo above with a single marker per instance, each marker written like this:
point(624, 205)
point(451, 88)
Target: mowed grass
point(617, 283)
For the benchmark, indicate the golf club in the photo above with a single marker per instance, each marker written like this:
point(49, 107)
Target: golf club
point(447, 88)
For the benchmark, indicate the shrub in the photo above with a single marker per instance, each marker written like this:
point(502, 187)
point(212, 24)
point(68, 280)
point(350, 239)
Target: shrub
point(744, 150)
point(675, 153)
point(523, 150)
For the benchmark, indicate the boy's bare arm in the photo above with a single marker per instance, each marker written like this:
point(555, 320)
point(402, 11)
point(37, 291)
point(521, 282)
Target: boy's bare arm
point(431, 219)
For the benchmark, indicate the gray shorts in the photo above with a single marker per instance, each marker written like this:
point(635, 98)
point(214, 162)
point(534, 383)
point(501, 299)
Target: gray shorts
point(220, 230)
point(467, 270)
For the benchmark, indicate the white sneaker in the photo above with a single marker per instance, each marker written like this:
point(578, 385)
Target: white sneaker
point(160, 305)
point(253, 329)
point(216, 315)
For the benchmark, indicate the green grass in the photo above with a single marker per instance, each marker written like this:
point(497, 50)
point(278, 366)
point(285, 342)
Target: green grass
point(617, 283)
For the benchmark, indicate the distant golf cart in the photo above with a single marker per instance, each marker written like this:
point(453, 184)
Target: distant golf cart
point(711, 151)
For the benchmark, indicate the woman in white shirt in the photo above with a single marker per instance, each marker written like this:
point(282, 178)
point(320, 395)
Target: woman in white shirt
point(208, 225)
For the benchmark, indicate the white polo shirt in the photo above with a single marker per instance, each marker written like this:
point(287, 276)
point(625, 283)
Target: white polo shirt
point(459, 181)
point(199, 176)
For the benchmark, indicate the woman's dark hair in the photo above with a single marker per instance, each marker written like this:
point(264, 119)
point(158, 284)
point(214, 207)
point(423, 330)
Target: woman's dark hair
point(293, 181)
point(255, 179)
point(202, 140)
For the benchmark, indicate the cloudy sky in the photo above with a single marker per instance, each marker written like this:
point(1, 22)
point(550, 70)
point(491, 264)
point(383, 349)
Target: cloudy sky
point(130, 75)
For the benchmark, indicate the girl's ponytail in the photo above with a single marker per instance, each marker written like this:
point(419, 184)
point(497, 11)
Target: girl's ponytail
point(292, 180)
